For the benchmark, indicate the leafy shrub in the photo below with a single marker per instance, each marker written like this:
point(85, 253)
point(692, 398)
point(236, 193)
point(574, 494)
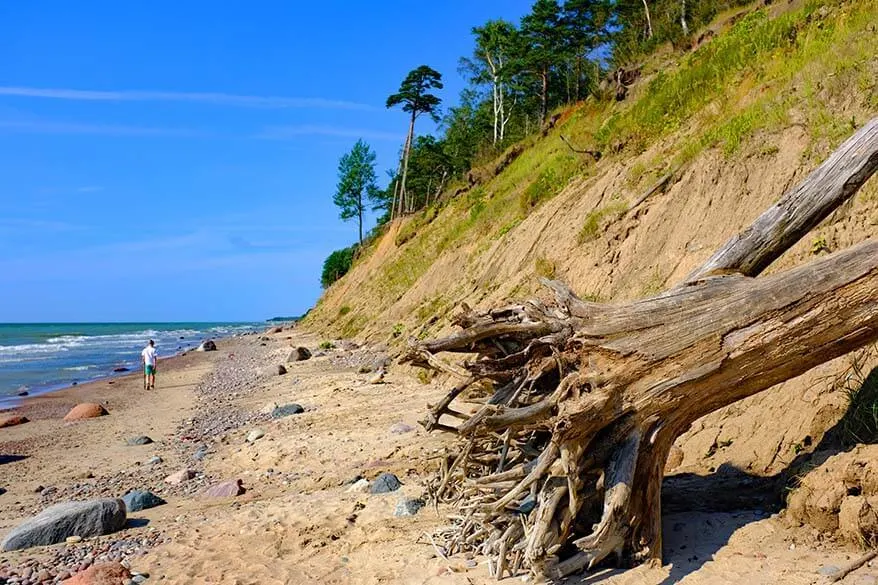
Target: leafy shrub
point(337, 265)
point(326, 345)
point(344, 310)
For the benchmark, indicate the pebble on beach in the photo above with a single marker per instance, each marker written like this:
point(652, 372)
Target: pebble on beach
point(408, 507)
point(255, 435)
point(225, 489)
point(139, 440)
point(179, 477)
point(102, 574)
point(13, 420)
point(286, 410)
point(138, 500)
point(385, 483)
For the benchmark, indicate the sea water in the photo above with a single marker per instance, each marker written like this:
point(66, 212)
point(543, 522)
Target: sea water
point(39, 357)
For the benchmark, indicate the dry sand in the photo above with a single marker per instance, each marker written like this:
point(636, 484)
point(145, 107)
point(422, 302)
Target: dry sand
point(297, 523)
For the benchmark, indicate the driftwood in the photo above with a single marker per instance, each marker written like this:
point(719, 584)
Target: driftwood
point(561, 464)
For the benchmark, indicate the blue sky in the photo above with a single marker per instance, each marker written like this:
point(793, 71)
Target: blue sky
point(176, 160)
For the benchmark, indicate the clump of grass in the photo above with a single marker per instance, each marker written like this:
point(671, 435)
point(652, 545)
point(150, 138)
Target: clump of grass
point(819, 245)
point(397, 330)
point(598, 220)
point(654, 284)
point(353, 326)
point(343, 310)
point(326, 345)
point(415, 224)
point(860, 422)
point(508, 227)
point(551, 180)
point(544, 267)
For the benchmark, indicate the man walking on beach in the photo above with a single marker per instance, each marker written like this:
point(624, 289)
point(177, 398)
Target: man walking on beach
point(148, 358)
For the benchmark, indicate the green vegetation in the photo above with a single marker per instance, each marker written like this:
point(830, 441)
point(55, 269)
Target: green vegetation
point(356, 182)
point(344, 310)
point(597, 221)
point(337, 265)
point(326, 345)
point(551, 180)
point(860, 422)
point(544, 267)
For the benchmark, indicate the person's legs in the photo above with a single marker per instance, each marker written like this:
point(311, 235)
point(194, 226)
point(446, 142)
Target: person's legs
point(150, 377)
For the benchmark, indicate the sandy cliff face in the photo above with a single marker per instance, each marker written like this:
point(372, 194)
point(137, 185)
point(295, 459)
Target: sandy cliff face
point(608, 245)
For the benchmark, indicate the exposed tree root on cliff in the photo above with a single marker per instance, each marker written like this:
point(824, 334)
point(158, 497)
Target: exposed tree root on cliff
point(560, 467)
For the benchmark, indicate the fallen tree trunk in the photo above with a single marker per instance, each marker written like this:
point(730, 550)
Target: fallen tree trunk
point(562, 464)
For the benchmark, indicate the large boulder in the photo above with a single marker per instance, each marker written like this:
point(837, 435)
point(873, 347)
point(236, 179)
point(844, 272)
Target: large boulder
point(138, 500)
point(101, 574)
point(299, 354)
point(56, 523)
point(12, 420)
point(85, 410)
point(207, 345)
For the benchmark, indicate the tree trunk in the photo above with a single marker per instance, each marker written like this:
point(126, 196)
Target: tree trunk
point(405, 165)
point(648, 20)
point(544, 96)
point(562, 466)
point(360, 215)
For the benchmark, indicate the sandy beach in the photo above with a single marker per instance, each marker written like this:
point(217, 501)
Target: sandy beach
point(299, 520)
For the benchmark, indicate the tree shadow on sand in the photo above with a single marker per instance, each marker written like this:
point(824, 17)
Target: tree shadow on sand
point(707, 509)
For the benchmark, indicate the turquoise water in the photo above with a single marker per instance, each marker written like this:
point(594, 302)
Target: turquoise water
point(39, 357)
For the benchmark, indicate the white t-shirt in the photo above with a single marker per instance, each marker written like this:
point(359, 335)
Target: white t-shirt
point(148, 355)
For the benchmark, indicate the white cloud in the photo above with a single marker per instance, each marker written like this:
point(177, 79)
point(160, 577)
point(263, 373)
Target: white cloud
point(220, 99)
point(290, 132)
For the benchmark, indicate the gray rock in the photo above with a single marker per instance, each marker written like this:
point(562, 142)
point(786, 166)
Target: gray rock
point(154, 460)
point(527, 505)
point(281, 370)
point(200, 454)
point(138, 579)
point(299, 354)
point(385, 483)
point(138, 500)
point(287, 410)
point(2, 491)
point(408, 507)
point(828, 570)
point(255, 435)
point(141, 440)
point(401, 428)
point(207, 345)
point(56, 523)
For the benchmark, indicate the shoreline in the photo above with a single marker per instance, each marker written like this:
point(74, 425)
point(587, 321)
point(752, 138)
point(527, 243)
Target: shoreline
point(12, 403)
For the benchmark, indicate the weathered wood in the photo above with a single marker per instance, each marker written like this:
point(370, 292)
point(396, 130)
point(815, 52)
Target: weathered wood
point(799, 210)
point(591, 397)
